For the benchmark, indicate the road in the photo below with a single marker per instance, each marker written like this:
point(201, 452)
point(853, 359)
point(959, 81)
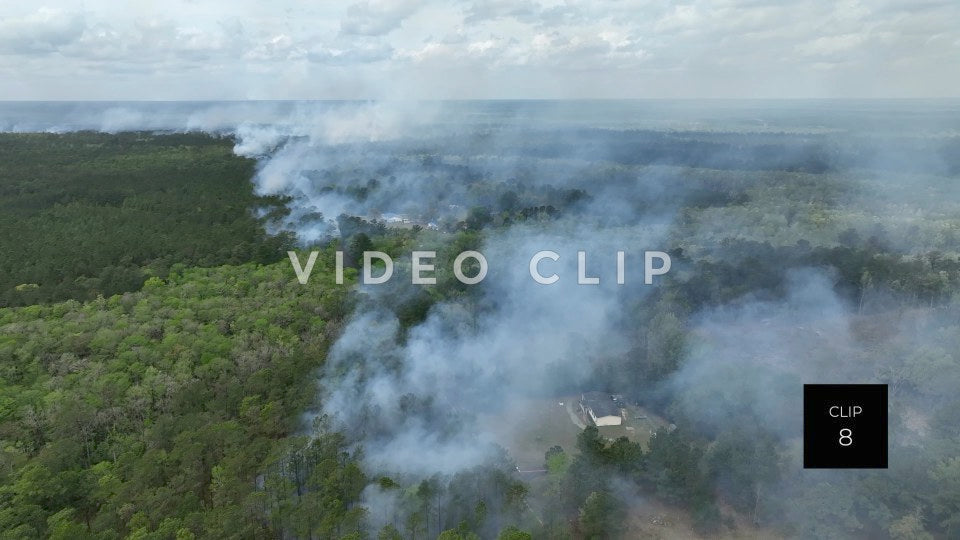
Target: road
point(574, 417)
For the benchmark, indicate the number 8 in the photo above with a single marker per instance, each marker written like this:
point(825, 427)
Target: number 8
point(846, 439)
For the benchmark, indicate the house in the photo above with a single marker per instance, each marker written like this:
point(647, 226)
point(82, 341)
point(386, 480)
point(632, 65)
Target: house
point(600, 408)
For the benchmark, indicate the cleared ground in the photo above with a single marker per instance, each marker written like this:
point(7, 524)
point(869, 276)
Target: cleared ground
point(528, 428)
point(638, 425)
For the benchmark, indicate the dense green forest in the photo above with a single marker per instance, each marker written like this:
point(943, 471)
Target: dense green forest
point(161, 370)
point(155, 410)
point(90, 214)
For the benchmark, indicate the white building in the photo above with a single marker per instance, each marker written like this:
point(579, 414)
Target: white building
point(600, 408)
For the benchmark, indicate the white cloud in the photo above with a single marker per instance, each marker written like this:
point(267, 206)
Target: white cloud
point(479, 48)
point(43, 31)
point(831, 45)
point(357, 54)
point(376, 17)
point(681, 18)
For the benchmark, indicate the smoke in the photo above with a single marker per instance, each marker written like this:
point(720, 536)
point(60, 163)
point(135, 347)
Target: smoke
point(744, 369)
point(601, 179)
point(751, 360)
point(519, 339)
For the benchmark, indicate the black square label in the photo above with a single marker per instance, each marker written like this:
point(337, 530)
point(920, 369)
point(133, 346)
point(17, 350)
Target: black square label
point(845, 426)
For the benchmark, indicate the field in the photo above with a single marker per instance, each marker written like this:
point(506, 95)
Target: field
point(529, 427)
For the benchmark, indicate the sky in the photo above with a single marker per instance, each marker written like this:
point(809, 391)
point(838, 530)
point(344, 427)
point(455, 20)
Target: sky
point(484, 49)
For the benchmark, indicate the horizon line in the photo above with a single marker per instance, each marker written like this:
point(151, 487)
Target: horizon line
point(454, 100)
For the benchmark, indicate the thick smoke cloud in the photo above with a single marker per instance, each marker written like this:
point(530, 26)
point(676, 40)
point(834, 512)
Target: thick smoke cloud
point(521, 339)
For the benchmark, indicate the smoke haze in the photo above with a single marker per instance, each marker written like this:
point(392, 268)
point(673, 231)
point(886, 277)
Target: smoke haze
point(611, 177)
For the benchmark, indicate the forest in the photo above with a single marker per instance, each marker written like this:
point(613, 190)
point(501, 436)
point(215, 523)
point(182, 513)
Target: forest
point(97, 214)
point(163, 375)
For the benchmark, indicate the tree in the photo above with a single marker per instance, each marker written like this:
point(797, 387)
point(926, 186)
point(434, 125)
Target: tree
point(602, 516)
point(946, 497)
point(742, 462)
point(590, 443)
point(556, 461)
point(359, 243)
point(909, 527)
point(513, 533)
point(478, 217)
point(389, 532)
point(824, 510)
point(509, 201)
point(666, 340)
point(462, 532)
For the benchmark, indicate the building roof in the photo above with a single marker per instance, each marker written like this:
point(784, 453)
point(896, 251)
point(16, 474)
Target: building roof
point(600, 403)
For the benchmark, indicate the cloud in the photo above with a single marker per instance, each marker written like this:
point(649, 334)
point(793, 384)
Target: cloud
point(278, 47)
point(376, 18)
point(351, 55)
point(496, 48)
point(44, 31)
point(831, 45)
point(681, 18)
point(491, 10)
